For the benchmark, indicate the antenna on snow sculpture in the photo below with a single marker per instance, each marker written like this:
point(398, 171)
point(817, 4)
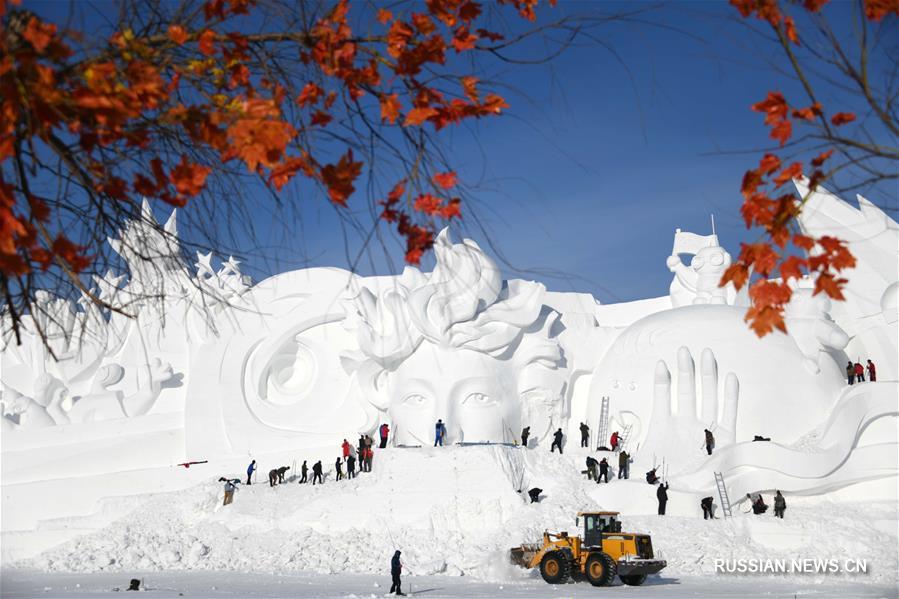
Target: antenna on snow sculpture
point(713, 223)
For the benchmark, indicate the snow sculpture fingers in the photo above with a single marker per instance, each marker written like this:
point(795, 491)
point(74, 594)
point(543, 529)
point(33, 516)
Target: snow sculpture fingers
point(709, 373)
point(686, 382)
point(728, 424)
point(661, 394)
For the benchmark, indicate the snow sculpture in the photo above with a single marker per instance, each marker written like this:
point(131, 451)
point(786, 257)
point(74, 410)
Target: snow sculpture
point(809, 323)
point(698, 284)
point(458, 345)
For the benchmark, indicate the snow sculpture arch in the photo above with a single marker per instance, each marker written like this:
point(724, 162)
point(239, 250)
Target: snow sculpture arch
point(461, 345)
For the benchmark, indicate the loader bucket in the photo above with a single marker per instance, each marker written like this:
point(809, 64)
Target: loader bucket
point(523, 555)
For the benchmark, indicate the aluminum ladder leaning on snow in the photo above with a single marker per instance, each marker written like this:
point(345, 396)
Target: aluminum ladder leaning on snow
point(625, 437)
point(602, 431)
point(722, 495)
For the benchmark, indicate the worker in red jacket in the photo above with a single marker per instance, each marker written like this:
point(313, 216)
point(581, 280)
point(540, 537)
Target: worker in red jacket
point(385, 431)
point(859, 373)
point(346, 449)
point(614, 441)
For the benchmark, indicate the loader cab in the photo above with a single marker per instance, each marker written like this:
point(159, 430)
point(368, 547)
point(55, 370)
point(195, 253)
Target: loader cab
point(596, 523)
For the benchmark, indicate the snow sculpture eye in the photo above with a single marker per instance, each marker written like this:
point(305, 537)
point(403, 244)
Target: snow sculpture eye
point(717, 259)
point(632, 386)
point(415, 400)
point(478, 400)
point(697, 262)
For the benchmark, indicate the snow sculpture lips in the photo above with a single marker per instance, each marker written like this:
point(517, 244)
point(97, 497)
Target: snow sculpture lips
point(450, 345)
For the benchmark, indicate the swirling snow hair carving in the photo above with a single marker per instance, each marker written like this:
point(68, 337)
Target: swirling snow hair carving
point(463, 303)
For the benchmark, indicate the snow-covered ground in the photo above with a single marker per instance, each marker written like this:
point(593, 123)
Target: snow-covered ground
point(454, 512)
point(164, 585)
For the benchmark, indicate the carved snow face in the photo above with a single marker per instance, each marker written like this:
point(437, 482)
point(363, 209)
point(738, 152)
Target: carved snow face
point(710, 260)
point(473, 393)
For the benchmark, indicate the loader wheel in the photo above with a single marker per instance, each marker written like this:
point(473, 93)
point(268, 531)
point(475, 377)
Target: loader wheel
point(554, 568)
point(633, 580)
point(600, 569)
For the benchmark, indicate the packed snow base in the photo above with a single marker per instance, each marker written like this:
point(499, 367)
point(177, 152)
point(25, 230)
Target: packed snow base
point(454, 511)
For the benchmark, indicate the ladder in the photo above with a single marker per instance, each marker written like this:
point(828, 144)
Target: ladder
point(625, 437)
point(722, 495)
point(602, 433)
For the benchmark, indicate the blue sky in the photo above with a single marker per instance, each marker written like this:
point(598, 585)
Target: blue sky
point(582, 183)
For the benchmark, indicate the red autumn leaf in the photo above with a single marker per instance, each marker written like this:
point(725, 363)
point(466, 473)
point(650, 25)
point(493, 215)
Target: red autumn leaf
point(189, 179)
point(445, 180)
point(321, 118)
point(286, 170)
point(803, 241)
point(463, 39)
point(764, 320)
point(791, 267)
point(39, 34)
point(310, 94)
point(384, 15)
point(828, 285)
point(809, 113)
point(452, 209)
point(790, 30)
point(427, 203)
point(814, 5)
point(789, 173)
point(470, 87)
point(417, 116)
point(841, 118)
point(768, 164)
point(878, 9)
point(69, 252)
point(774, 106)
point(339, 178)
point(207, 42)
point(390, 107)
point(782, 131)
point(737, 273)
point(178, 34)
point(423, 24)
point(821, 158)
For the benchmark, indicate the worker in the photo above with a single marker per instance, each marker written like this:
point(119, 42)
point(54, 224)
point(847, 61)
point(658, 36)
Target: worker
point(780, 505)
point(706, 505)
point(525, 433)
point(366, 461)
point(591, 468)
point(850, 372)
point(439, 433)
point(250, 469)
point(557, 441)
point(662, 494)
point(758, 504)
point(872, 371)
point(624, 465)
point(859, 373)
point(351, 467)
point(613, 441)
point(230, 487)
point(585, 434)
point(338, 466)
point(603, 470)
point(303, 470)
point(384, 431)
point(317, 473)
point(709, 441)
point(345, 447)
point(651, 477)
point(534, 494)
point(396, 569)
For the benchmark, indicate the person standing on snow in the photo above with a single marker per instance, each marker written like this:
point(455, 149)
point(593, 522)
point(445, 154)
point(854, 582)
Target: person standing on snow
point(250, 470)
point(706, 505)
point(439, 433)
point(525, 433)
point(230, 487)
point(369, 454)
point(345, 448)
point(603, 470)
point(872, 372)
point(351, 467)
point(624, 465)
point(709, 441)
point(591, 468)
point(780, 505)
point(585, 434)
point(859, 373)
point(384, 431)
point(850, 372)
point(662, 494)
point(557, 442)
point(303, 470)
point(317, 473)
point(396, 569)
point(613, 441)
point(338, 466)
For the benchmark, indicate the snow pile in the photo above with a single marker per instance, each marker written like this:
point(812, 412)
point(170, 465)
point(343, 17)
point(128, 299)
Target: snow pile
point(455, 511)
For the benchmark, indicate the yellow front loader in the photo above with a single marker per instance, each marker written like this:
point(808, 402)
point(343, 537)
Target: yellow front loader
point(599, 556)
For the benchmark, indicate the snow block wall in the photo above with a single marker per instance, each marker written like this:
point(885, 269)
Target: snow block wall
point(222, 370)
